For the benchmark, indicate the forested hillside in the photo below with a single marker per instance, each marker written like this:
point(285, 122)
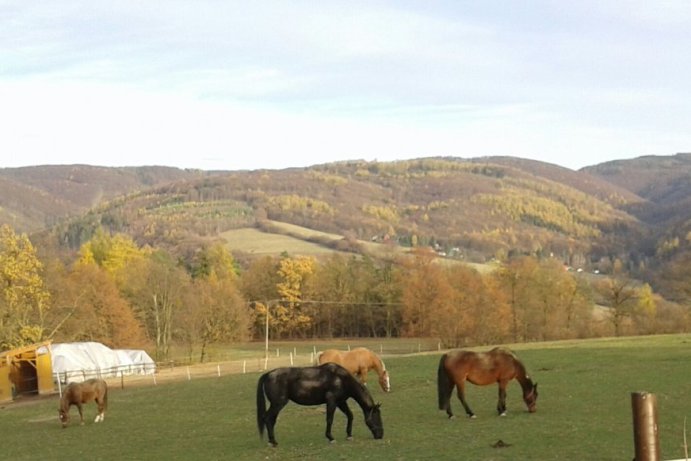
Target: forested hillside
point(37, 197)
point(665, 185)
point(565, 254)
point(475, 210)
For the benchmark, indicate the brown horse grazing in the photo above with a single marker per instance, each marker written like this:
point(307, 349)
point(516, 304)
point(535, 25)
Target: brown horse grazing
point(499, 365)
point(359, 362)
point(79, 393)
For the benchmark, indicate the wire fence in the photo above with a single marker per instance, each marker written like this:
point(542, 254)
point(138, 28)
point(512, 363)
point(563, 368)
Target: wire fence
point(257, 362)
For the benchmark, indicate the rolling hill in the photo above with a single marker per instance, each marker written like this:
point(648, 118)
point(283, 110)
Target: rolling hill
point(473, 210)
point(36, 197)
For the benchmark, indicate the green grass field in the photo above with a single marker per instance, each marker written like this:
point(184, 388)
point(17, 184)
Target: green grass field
point(584, 413)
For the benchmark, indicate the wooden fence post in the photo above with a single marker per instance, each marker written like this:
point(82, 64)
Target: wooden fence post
point(645, 430)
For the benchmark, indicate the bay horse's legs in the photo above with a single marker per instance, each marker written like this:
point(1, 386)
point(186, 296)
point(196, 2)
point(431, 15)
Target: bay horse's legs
point(448, 409)
point(461, 395)
point(501, 403)
point(349, 414)
point(447, 405)
point(270, 419)
point(101, 410)
point(81, 415)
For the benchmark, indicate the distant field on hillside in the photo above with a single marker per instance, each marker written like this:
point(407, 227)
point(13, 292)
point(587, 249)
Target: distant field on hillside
point(256, 242)
point(295, 240)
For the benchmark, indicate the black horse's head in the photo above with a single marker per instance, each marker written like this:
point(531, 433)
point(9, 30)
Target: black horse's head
point(374, 422)
point(530, 398)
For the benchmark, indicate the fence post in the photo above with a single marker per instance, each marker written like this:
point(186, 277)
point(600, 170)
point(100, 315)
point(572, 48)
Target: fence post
point(57, 376)
point(645, 430)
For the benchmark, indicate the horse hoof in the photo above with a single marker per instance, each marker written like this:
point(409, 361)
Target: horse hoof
point(502, 414)
point(472, 416)
point(332, 441)
point(272, 444)
point(349, 438)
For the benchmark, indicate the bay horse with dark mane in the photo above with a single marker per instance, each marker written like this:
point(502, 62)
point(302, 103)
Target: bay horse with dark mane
point(359, 362)
point(95, 390)
point(329, 383)
point(500, 365)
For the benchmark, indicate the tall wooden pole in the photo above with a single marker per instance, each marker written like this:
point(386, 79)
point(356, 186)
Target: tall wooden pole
point(266, 344)
point(645, 430)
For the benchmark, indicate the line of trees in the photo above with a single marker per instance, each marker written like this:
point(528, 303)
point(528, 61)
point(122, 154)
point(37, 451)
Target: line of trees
point(124, 295)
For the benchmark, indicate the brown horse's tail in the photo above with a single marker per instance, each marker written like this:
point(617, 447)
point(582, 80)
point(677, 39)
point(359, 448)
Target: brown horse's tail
point(444, 384)
point(261, 405)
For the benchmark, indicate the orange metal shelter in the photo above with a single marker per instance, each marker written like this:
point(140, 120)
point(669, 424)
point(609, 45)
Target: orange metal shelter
point(26, 370)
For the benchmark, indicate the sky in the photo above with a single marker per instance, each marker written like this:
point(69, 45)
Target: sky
point(236, 85)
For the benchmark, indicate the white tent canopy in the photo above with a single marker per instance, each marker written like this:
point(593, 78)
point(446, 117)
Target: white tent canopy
point(80, 361)
point(139, 361)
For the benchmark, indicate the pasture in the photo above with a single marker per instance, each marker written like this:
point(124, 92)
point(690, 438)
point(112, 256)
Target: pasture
point(584, 412)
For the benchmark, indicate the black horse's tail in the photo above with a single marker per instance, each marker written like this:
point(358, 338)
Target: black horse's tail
point(444, 384)
point(261, 405)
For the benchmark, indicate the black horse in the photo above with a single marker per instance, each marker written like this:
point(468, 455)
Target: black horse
point(329, 383)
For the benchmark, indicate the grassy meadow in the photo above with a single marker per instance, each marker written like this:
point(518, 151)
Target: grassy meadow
point(584, 412)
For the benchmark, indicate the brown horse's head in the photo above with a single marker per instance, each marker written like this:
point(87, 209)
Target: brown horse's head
point(384, 381)
point(530, 398)
point(374, 422)
point(63, 416)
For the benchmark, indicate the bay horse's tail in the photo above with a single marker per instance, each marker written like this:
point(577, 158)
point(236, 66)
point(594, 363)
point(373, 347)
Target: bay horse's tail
point(444, 384)
point(261, 406)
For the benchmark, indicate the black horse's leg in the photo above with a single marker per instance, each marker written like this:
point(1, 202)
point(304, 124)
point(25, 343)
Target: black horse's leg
point(461, 396)
point(349, 414)
point(501, 403)
point(330, 410)
point(270, 419)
